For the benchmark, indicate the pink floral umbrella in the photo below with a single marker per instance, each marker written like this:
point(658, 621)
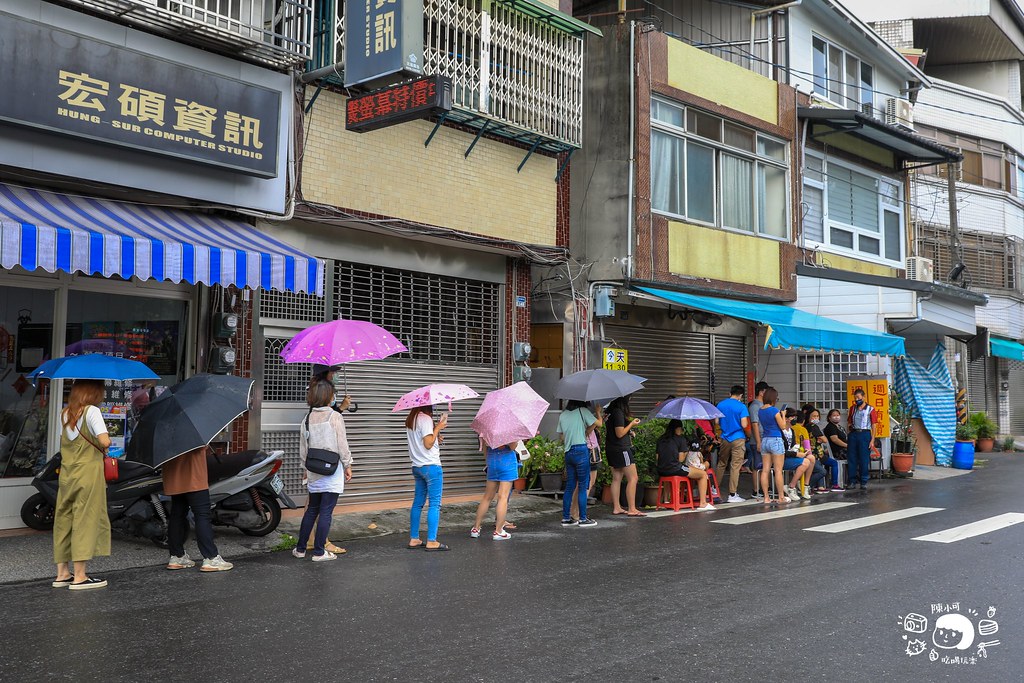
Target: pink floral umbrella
point(341, 341)
point(433, 394)
point(510, 414)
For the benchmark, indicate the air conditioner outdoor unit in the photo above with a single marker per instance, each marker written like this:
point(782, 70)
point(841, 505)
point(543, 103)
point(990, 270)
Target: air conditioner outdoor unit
point(921, 269)
point(899, 112)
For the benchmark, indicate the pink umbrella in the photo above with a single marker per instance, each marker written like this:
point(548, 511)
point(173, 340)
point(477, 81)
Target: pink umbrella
point(510, 414)
point(341, 341)
point(432, 394)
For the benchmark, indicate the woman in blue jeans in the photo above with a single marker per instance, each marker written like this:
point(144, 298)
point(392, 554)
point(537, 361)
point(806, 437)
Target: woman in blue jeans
point(575, 422)
point(424, 438)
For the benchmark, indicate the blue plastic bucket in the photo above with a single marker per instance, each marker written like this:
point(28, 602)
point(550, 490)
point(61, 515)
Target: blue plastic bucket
point(963, 455)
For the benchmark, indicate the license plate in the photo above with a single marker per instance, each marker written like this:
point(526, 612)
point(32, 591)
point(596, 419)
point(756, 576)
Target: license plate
point(277, 483)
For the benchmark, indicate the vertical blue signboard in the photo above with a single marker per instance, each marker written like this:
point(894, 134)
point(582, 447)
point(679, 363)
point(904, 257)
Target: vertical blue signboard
point(383, 41)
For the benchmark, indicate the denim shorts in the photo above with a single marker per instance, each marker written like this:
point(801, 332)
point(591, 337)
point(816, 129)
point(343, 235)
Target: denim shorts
point(772, 445)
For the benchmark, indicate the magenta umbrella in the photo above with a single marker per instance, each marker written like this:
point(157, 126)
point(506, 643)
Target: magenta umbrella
point(341, 341)
point(510, 414)
point(433, 394)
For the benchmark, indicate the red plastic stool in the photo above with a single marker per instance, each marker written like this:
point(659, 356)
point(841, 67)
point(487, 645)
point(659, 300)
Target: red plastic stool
point(713, 482)
point(676, 500)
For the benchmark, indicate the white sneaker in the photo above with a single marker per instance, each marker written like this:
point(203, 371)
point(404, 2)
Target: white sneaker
point(298, 553)
point(791, 494)
point(733, 498)
point(217, 564)
point(806, 495)
point(708, 508)
point(474, 533)
point(503, 536)
point(183, 562)
point(327, 556)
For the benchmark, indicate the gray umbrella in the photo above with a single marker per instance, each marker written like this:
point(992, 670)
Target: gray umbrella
point(188, 416)
point(598, 385)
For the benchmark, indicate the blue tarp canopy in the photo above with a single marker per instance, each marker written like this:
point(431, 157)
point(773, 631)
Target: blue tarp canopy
point(929, 394)
point(791, 328)
point(1004, 348)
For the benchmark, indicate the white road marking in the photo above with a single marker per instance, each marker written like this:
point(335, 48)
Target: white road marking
point(984, 526)
point(718, 506)
point(782, 512)
point(872, 520)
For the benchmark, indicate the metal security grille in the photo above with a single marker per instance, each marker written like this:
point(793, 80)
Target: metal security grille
point(822, 377)
point(729, 364)
point(292, 306)
point(439, 319)
point(991, 260)
point(981, 389)
point(674, 363)
point(452, 45)
point(283, 381)
point(292, 470)
point(536, 75)
point(1016, 377)
point(274, 32)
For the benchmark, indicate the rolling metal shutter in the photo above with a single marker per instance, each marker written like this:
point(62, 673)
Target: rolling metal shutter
point(979, 393)
point(1016, 397)
point(680, 363)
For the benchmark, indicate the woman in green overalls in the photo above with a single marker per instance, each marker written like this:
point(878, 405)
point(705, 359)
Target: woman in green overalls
point(81, 528)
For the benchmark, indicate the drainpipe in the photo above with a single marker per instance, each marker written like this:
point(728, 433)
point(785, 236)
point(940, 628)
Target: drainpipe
point(628, 271)
point(753, 20)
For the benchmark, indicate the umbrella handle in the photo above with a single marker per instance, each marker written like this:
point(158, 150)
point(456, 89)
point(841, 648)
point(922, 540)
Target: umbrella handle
point(353, 407)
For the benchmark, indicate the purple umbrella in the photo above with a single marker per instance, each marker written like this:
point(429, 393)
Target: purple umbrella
point(509, 415)
point(686, 408)
point(341, 341)
point(434, 394)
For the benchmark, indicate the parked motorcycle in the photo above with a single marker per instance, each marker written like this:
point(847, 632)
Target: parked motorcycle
point(246, 492)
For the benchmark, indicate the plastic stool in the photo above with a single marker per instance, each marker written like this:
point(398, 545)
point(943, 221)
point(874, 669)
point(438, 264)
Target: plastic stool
point(680, 493)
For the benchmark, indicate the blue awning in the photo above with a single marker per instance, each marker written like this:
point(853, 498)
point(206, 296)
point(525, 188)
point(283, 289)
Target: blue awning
point(1004, 348)
point(791, 328)
point(78, 234)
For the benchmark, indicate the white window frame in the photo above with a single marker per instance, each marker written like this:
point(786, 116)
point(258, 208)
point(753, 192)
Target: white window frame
point(831, 80)
point(720, 148)
point(883, 208)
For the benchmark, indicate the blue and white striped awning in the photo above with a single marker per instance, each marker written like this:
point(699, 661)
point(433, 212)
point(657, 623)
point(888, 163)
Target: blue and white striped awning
point(78, 234)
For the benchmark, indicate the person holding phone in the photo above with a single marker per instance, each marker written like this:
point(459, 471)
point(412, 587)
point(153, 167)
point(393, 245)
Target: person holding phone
point(424, 440)
point(619, 451)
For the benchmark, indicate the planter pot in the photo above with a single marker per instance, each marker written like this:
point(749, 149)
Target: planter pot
point(519, 484)
point(963, 455)
point(606, 495)
point(985, 445)
point(551, 481)
point(902, 462)
point(651, 496)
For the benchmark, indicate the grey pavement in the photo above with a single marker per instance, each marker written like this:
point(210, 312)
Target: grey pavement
point(667, 598)
point(30, 557)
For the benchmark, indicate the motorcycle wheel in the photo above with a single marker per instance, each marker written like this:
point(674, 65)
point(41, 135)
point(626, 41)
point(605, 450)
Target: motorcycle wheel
point(160, 542)
point(271, 516)
point(37, 513)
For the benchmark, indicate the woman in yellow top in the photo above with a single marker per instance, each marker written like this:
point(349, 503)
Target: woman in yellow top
point(81, 528)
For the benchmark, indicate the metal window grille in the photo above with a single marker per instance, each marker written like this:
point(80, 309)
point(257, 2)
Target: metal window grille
point(991, 260)
point(283, 381)
point(439, 319)
point(292, 306)
point(505, 66)
point(274, 32)
point(292, 471)
point(822, 377)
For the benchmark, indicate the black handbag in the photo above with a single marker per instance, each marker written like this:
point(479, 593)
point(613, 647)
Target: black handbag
point(320, 460)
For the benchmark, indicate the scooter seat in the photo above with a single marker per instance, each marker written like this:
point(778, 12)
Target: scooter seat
point(127, 470)
point(220, 467)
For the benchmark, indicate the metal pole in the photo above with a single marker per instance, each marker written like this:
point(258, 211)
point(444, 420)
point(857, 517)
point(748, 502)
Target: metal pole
point(957, 256)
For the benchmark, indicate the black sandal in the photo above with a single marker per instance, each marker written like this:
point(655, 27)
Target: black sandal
point(419, 545)
point(439, 548)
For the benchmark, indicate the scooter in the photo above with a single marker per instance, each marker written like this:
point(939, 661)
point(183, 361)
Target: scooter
point(244, 492)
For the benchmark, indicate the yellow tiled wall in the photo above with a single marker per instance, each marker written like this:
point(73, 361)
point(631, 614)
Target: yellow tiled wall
point(389, 172)
point(722, 255)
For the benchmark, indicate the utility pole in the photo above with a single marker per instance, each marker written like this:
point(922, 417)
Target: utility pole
point(956, 254)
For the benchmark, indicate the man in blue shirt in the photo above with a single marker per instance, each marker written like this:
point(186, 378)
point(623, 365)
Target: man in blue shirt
point(734, 425)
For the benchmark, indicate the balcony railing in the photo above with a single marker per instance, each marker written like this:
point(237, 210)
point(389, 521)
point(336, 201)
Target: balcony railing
point(278, 33)
point(516, 73)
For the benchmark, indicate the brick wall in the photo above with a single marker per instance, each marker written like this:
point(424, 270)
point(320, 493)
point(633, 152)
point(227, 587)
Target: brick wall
point(517, 325)
point(389, 172)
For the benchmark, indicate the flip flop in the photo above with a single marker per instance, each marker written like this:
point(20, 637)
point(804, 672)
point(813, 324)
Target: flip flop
point(438, 549)
point(331, 548)
point(636, 514)
point(620, 512)
point(510, 525)
point(415, 547)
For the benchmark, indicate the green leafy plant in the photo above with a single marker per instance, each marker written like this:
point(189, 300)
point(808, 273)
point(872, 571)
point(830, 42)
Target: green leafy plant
point(1008, 445)
point(900, 425)
point(287, 542)
point(983, 426)
point(546, 455)
point(966, 432)
point(645, 449)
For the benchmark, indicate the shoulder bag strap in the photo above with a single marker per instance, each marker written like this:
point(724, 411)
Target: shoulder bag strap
point(82, 431)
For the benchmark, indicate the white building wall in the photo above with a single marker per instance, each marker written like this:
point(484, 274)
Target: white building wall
point(979, 209)
point(973, 112)
point(887, 10)
point(1003, 316)
point(857, 304)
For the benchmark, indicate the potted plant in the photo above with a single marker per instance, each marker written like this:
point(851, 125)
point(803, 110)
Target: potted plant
point(645, 451)
point(549, 462)
point(985, 429)
point(903, 444)
point(963, 449)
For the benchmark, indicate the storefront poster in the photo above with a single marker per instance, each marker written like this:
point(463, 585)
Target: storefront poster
point(876, 391)
point(114, 416)
point(154, 342)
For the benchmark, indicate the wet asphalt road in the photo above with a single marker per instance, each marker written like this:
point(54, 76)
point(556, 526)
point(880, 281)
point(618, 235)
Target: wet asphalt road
point(660, 599)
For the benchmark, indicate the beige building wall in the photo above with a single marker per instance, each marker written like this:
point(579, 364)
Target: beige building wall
point(389, 172)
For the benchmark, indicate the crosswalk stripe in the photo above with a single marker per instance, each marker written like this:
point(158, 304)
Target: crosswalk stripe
point(783, 512)
point(983, 526)
point(872, 520)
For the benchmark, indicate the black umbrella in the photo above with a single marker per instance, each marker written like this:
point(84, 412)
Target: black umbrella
point(187, 416)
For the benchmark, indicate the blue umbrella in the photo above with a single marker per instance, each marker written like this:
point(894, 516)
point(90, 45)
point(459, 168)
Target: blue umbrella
point(686, 408)
point(93, 366)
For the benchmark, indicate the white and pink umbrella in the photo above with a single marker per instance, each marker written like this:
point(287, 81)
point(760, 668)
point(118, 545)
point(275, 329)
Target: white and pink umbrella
point(341, 341)
point(509, 415)
point(434, 394)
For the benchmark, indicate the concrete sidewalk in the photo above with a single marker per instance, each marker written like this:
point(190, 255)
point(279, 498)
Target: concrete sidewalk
point(29, 556)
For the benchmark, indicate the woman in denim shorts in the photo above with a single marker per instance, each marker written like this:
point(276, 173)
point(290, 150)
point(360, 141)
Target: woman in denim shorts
point(773, 448)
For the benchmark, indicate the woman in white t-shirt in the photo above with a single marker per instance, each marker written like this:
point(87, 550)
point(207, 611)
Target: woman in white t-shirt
point(425, 439)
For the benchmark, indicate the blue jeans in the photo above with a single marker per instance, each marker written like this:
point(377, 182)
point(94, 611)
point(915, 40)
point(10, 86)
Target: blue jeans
point(858, 456)
point(833, 467)
point(319, 509)
point(577, 469)
point(817, 475)
point(429, 482)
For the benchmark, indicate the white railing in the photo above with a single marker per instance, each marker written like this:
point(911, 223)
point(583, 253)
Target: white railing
point(275, 32)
